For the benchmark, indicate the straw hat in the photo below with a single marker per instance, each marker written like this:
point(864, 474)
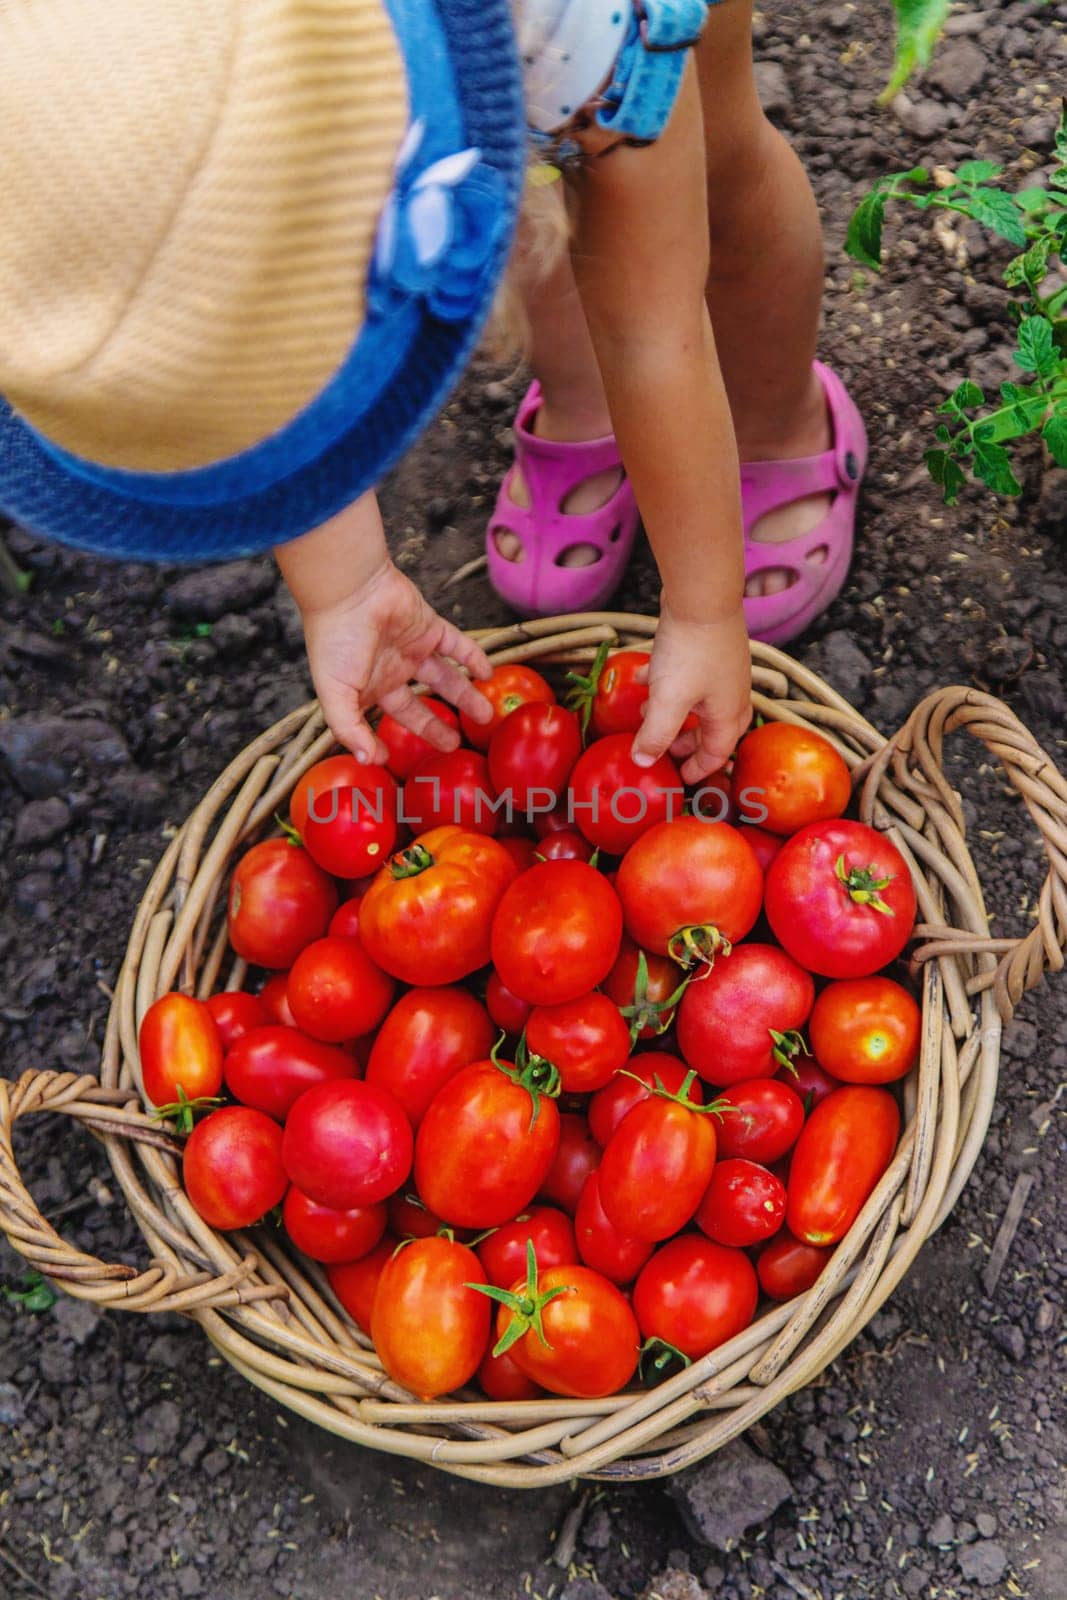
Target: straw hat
point(246, 248)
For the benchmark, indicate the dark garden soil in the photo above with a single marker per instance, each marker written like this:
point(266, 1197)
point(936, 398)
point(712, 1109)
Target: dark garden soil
point(926, 1462)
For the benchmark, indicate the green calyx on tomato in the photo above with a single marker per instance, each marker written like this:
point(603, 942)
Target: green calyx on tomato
point(526, 1306)
point(180, 1111)
point(539, 1077)
point(659, 1360)
point(787, 1046)
point(863, 886)
point(410, 862)
point(697, 945)
point(584, 687)
point(645, 1012)
point(659, 1089)
point(289, 832)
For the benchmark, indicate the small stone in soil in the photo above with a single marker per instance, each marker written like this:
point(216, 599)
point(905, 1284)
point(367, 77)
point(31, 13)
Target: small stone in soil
point(732, 1491)
point(942, 1532)
point(1011, 1339)
point(78, 1319)
point(39, 821)
point(675, 1584)
point(983, 1563)
point(11, 1405)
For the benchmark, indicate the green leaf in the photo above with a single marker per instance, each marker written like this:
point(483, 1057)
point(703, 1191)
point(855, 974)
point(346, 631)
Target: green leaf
point(919, 25)
point(1031, 200)
point(1061, 134)
point(978, 171)
point(1054, 434)
point(943, 433)
point(996, 210)
point(968, 395)
point(992, 465)
point(946, 472)
point(1037, 350)
point(37, 1293)
point(863, 241)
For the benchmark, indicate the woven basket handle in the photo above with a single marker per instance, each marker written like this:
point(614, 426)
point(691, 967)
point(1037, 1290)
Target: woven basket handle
point(914, 757)
point(105, 1111)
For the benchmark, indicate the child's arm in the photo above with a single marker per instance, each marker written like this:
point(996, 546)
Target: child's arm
point(369, 632)
point(641, 260)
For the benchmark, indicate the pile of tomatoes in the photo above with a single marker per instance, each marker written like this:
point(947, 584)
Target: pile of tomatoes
point(553, 1087)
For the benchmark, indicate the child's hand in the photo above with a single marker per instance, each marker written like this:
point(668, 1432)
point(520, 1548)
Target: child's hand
point(703, 667)
point(366, 647)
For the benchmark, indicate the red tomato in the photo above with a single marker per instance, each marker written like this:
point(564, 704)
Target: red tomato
point(232, 1167)
point(761, 1119)
point(336, 991)
point(695, 1295)
point(556, 932)
point(510, 687)
point(610, 1104)
point(274, 998)
point(428, 1036)
point(427, 916)
point(407, 749)
point(563, 845)
point(600, 1244)
point(344, 924)
point(742, 1205)
point(766, 845)
point(656, 1165)
point(554, 820)
point(346, 815)
point(614, 801)
point(590, 1343)
point(615, 692)
point(866, 1030)
point(586, 1039)
point(409, 1218)
point(796, 774)
point(531, 755)
point(687, 885)
point(331, 1236)
point(356, 1282)
point(505, 1008)
point(503, 1380)
point(846, 1145)
point(487, 1142)
point(648, 996)
point(454, 790)
point(347, 1144)
point(271, 1067)
point(279, 902)
point(576, 1158)
point(429, 1327)
point(809, 1080)
point(181, 1052)
point(840, 899)
point(236, 1012)
point(740, 1020)
point(522, 850)
point(788, 1267)
point(503, 1253)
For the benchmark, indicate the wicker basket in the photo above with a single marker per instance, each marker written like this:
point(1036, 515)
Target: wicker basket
point(275, 1319)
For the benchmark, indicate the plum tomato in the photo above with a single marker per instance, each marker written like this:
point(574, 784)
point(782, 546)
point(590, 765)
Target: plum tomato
point(331, 1236)
point(587, 1039)
point(531, 755)
point(274, 998)
point(866, 1030)
point(181, 1054)
point(503, 1380)
point(577, 1156)
point(271, 1067)
point(564, 845)
point(428, 915)
point(695, 1294)
point(510, 687)
point(410, 1219)
point(505, 1008)
point(279, 902)
point(766, 845)
point(355, 1282)
point(336, 991)
point(610, 1104)
point(810, 1080)
point(686, 886)
point(344, 924)
point(346, 1144)
point(843, 1150)
point(787, 1266)
point(741, 1019)
point(453, 790)
point(657, 1164)
point(611, 699)
point(795, 773)
point(600, 1244)
point(429, 1326)
point(761, 1119)
point(742, 1205)
point(346, 815)
point(646, 988)
point(232, 1167)
point(503, 1253)
point(487, 1141)
point(428, 1036)
point(407, 749)
point(570, 1330)
point(556, 932)
point(613, 801)
point(840, 899)
point(236, 1012)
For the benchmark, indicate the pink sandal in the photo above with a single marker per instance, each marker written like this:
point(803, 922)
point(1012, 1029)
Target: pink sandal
point(817, 562)
point(538, 584)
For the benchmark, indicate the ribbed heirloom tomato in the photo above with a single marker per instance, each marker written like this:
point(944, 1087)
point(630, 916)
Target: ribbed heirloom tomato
point(695, 1294)
point(347, 1144)
point(181, 1052)
point(687, 885)
point(425, 1040)
point(740, 1020)
point(427, 916)
point(279, 901)
point(845, 1146)
point(271, 1067)
point(556, 932)
point(232, 1167)
point(866, 1030)
point(657, 1164)
point(429, 1326)
point(796, 773)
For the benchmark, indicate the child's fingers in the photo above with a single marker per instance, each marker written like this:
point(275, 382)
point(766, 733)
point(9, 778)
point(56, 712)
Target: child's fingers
point(408, 709)
point(664, 714)
point(716, 741)
point(447, 681)
point(345, 719)
point(467, 654)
